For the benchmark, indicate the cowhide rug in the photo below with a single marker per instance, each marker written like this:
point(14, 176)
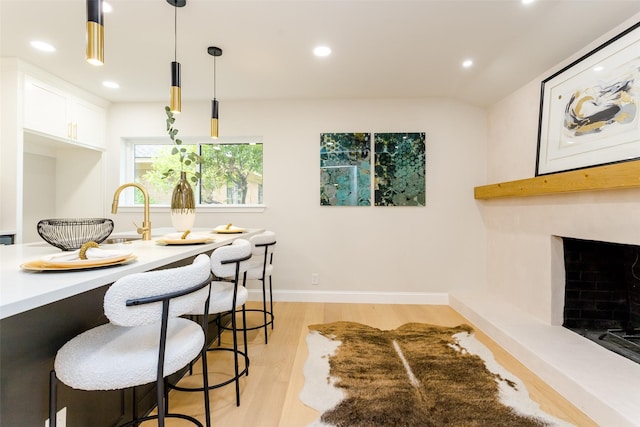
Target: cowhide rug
point(416, 375)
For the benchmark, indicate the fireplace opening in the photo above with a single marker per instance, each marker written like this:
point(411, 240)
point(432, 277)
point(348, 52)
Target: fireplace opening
point(602, 294)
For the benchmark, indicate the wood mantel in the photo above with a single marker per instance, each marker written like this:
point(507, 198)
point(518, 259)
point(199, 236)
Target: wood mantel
point(608, 177)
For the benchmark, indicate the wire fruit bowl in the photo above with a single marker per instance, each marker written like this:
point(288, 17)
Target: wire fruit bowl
point(70, 234)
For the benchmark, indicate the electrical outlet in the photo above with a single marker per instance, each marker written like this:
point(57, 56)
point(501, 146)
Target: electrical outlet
point(314, 278)
point(61, 418)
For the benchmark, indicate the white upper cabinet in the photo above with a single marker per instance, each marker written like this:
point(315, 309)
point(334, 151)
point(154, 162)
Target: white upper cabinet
point(45, 109)
point(90, 123)
point(54, 112)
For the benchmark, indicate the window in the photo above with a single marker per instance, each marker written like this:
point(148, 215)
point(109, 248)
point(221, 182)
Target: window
point(231, 170)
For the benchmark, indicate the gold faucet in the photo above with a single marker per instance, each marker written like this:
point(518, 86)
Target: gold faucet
point(145, 230)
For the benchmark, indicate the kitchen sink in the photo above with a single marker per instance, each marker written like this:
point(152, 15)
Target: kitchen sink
point(114, 240)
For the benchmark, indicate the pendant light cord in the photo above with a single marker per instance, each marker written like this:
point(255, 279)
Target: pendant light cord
point(214, 77)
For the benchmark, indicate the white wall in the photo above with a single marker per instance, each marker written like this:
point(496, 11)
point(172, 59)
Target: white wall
point(10, 146)
point(366, 250)
point(60, 181)
point(40, 193)
point(522, 255)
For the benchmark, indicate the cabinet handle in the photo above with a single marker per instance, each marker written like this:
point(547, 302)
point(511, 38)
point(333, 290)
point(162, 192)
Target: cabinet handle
point(75, 131)
point(70, 130)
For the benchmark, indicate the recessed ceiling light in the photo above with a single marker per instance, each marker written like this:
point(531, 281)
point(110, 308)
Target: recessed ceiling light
point(527, 1)
point(45, 47)
point(322, 51)
point(106, 7)
point(598, 68)
point(467, 63)
point(111, 85)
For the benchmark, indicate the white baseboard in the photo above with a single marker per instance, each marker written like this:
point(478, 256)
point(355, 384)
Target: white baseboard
point(428, 298)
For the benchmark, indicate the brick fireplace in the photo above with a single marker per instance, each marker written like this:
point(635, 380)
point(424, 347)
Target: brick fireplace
point(602, 294)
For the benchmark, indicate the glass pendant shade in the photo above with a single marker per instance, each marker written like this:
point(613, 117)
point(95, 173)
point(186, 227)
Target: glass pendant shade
point(214, 119)
point(176, 97)
point(95, 32)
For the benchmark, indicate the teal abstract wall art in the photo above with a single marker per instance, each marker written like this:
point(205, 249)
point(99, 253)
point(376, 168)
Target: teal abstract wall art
point(345, 169)
point(399, 164)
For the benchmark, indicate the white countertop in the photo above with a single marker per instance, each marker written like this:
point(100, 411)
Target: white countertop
point(22, 290)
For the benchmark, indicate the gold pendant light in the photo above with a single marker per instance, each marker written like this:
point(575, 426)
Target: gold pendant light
point(214, 51)
point(95, 32)
point(176, 96)
point(175, 105)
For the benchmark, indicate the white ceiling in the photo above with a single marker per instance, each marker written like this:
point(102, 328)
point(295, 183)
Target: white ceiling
point(381, 49)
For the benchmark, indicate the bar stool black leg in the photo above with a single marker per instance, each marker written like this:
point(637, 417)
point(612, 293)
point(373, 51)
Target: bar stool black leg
point(244, 332)
point(271, 303)
point(264, 310)
point(207, 405)
point(235, 354)
point(134, 405)
point(53, 399)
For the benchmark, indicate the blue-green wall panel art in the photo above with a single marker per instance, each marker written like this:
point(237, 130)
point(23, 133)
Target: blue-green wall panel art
point(399, 164)
point(345, 169)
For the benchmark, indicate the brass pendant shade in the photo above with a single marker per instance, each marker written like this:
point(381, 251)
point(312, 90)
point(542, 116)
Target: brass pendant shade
point(175, 103)
point(214, 119)
point(95, 32)
point(176, 97)
point(215, 52)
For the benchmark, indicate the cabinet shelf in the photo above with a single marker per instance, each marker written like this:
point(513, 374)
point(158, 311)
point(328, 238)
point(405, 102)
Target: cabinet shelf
point(608, 177)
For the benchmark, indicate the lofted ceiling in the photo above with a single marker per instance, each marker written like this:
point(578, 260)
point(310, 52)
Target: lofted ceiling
point(381, 49)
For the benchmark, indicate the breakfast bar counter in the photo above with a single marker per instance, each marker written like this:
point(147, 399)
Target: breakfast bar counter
point(22, 290)
point(41, 310)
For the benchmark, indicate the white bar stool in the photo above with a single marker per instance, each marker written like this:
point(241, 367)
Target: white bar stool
point(145, 340)
point(262, 269)
point(228, 296)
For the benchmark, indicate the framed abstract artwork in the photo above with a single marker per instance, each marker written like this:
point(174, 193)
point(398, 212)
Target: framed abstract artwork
point(399, 165)
point(345, 169)
point(590, 110)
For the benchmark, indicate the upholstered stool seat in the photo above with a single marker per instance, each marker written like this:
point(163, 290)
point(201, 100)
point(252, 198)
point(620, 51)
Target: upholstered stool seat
point(115, 366)
point(222, 294)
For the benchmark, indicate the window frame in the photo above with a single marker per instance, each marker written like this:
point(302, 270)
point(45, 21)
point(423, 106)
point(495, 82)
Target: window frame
point(127, 163)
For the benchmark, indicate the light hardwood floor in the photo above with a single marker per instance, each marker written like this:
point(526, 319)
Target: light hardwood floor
point(269, 395)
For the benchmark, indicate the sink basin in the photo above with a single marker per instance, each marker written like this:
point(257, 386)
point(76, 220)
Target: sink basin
point(114, 240)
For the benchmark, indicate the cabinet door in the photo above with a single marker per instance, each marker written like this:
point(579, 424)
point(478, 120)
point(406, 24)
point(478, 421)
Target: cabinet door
point(46, 109)
point(88, 123)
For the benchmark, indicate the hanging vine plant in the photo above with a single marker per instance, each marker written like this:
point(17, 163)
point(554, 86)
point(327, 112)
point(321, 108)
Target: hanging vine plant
point(187, 158)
